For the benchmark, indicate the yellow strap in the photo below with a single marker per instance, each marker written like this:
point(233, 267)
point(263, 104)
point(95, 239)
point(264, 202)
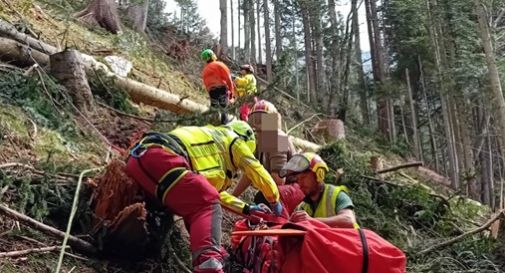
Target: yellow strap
point(162, 183)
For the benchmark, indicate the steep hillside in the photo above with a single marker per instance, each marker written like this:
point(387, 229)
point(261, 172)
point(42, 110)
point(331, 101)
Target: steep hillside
point(45, 145)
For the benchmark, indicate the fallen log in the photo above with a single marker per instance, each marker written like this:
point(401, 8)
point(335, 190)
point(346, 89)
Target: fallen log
point(19, 54)
point(17, 253)
point(402, 166)
point(72, 240)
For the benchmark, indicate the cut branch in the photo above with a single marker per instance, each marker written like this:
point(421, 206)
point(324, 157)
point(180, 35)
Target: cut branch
point(72, 240)
point(466, 234)
point(17, 253)
point(402, 166)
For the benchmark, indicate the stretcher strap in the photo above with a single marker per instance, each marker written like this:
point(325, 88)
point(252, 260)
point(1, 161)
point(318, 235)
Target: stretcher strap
point(364, 244)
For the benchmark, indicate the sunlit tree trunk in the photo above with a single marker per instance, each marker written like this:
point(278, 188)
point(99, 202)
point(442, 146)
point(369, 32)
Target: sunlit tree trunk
point(268, 46)
point(277, 27)
point(224, 26)
point(232, 31)
point(358, 63)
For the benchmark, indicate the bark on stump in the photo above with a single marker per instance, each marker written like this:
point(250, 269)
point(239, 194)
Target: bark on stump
point(67, 68)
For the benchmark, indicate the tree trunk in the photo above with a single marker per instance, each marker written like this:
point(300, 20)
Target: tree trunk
point(335, 63)
point(441, 80)
point(103, 13)
point(239, 46)
point(308, 53)
point(138, 15)
point(468, 155)
point(344, 86)
point(413, 117)
point(67, 68)
point(247, 31)
point(268, 45)
point(404, 124)
point(495, 93)
point(485, 156)
point(358, 62)
point(383, 107)
point(431, 128)
point(223, 41)
point(232, 31)
point(252, 26)
point(258, 18)
point(277, 27)
point(321, 86)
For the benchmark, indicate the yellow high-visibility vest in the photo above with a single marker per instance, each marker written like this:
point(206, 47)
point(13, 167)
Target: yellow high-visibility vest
point(327, 205)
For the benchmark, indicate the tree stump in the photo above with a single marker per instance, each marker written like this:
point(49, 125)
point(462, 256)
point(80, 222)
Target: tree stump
point(103, 13)
point(331, 128)
point(376, 164)
point(137, 14)
point(67, 68)
point(127, 225)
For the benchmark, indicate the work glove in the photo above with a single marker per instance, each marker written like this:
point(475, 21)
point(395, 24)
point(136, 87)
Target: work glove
point(259, 207)
point(276, 208)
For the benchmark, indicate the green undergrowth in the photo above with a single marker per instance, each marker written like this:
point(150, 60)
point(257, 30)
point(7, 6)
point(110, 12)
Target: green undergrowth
point(413, 218)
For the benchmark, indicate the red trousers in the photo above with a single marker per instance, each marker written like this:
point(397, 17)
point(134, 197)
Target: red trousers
point(192, 197)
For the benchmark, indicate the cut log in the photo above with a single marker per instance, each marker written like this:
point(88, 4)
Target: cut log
point(433, 176)
point(72, 240)
point(305, 145)
point(402, 166)
point(19, 54)
point(10, 31)
point(67, 68)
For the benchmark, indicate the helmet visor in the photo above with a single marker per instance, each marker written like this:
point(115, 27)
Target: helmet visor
point(296, 164)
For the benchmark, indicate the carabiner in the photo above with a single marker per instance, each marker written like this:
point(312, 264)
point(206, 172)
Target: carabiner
point(133, 151)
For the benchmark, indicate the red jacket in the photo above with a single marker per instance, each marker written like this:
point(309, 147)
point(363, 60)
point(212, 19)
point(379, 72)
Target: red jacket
point(217, 74)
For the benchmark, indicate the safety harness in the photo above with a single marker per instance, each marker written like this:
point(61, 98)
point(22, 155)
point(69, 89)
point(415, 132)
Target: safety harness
point(171, 144)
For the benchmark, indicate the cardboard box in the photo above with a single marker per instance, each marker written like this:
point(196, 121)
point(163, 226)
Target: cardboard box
point(265, 122)
point(272, 141)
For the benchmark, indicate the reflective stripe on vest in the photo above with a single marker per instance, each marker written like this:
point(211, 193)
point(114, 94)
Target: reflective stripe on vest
point(168, 180)
point(327, 205)
point(209, 152)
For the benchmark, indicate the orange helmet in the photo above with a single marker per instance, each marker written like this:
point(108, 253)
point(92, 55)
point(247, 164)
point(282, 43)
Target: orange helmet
point(303, 162)
point(263, 106)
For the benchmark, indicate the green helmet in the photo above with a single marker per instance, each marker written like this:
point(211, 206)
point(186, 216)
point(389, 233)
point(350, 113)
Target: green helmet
point(208, 55)
point(244, 130)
